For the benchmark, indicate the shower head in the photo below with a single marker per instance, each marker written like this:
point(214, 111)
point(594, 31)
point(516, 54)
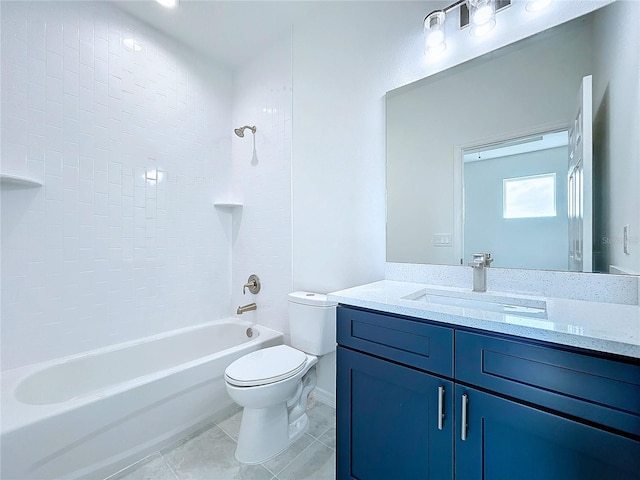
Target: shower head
point(240, 131)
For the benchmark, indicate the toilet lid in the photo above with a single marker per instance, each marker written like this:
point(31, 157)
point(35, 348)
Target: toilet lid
point(265, 366)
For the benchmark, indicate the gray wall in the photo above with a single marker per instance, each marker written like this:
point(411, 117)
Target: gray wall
point(539, 243)
point(506, 93)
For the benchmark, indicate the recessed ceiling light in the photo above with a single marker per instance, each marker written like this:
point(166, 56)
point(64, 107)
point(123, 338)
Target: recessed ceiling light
point(131, 44)
point(168, 3)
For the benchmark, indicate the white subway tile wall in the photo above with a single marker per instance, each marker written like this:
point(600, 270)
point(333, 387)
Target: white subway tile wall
point(132, 147)
point(261, 177)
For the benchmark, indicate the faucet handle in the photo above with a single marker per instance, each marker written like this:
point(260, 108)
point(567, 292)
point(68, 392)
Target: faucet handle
point(481, 260)
point(253, 284)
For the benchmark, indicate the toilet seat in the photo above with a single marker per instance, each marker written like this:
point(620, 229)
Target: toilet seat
point(265, 366)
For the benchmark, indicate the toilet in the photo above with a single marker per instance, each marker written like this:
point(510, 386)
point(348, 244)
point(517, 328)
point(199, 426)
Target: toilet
point(273, 384)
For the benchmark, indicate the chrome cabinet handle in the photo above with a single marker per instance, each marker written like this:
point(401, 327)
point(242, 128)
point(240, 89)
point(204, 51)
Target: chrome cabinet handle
point(440, 407)
point(465, 408)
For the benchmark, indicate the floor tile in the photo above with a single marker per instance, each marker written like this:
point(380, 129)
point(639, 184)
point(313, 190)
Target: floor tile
point(276, 464)
point(329, 438)
point(210, 455)
point(321, 418)
point(151, 468)
point(232, 425)
point(316, 463)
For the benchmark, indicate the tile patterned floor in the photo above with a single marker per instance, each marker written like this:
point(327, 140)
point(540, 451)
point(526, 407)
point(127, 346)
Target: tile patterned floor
point(209, 454)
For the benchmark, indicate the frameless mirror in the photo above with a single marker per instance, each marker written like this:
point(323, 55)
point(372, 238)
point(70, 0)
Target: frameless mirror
point(530, 152)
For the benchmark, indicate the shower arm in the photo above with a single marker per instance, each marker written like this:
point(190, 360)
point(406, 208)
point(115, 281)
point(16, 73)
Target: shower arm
point(240, 131)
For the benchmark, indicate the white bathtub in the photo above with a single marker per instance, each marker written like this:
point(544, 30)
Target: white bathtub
point(89, 415)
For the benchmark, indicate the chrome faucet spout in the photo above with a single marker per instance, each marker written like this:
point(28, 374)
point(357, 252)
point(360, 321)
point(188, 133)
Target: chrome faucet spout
point(479, 264)
point(246, 308)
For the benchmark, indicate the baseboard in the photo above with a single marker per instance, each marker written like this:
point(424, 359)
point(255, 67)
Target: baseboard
point(323, 396)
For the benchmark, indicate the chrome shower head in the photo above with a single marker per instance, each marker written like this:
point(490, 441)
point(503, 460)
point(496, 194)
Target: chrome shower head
point(240, 131)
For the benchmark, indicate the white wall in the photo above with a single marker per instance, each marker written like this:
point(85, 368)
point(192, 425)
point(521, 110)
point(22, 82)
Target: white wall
point(616, 92)
point(342, 66)
point(261, 179)
point(99, 254)
point(344, 61)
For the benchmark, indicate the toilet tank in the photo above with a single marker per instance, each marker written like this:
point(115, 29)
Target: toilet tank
point(312, 322)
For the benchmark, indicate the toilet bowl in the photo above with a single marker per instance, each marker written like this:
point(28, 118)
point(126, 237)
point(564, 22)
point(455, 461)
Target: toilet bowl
point(273, 384)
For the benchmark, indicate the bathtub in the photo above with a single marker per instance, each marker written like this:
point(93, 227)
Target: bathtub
point(89, 415)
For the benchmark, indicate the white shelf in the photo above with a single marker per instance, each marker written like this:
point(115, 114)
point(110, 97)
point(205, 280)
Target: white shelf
point(227, 205)
point(19, 181)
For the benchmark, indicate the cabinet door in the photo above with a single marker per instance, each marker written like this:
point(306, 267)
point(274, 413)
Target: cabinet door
point(506, 440)
point(388, 421)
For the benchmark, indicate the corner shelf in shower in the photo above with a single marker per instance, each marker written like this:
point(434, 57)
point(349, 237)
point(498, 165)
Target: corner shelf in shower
point(19, 181)
point(226, 204)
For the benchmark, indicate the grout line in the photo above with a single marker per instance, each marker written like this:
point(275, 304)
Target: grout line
point(328, 446)
point(296, 457)
point(175, 474)
point(218, 424)
point(227, 434)
point(269, 470)
point(133, 467)
point(323, 432)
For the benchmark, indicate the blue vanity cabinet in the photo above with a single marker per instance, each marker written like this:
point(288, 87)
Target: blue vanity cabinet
point(500, 439)
point(394, 414)
point(513, 409)
point(394, 422)
point(546, 412)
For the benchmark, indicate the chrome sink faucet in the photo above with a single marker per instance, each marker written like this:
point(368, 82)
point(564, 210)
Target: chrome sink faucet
point(479, 264)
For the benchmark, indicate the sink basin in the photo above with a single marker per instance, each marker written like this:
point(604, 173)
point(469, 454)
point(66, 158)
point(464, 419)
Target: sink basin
point(524, 307)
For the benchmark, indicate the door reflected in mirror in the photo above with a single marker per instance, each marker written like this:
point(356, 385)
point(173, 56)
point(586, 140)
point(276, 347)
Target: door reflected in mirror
point(441, 209)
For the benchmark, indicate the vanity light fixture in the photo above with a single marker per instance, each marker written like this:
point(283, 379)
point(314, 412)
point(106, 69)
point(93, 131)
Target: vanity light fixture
point(537, 5)
point(168, 3)
point(482, 16)
point(434, 42)
point(478, 15)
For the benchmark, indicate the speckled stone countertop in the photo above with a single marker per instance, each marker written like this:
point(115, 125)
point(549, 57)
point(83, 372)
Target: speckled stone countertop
point(603, 327)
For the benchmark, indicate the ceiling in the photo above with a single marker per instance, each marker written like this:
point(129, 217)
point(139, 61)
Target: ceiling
point(229, 32)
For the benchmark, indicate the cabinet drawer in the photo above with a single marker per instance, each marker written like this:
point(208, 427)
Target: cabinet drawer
point(411, 342)
point(604, 391)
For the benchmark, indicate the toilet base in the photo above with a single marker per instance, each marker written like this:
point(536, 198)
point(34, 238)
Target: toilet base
point(265, 433)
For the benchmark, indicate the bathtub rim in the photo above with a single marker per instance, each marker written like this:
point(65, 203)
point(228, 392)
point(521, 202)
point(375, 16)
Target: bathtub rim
point(16, 414)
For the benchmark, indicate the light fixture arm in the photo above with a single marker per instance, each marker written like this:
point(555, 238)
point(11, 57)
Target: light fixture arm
point(447, 9)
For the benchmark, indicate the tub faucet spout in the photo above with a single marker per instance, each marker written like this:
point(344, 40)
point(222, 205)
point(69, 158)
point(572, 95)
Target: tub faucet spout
point(246, 308)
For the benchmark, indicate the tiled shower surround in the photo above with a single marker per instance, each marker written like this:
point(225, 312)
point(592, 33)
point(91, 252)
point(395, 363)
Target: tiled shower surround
point(132, 148)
